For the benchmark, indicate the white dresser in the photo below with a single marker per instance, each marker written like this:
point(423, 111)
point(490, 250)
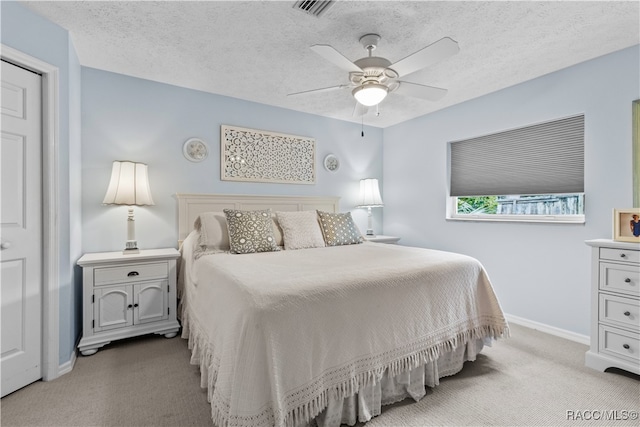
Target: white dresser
point(615, 306)
point(127, 295)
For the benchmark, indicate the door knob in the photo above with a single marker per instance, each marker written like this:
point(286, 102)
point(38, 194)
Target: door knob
point(5, 245)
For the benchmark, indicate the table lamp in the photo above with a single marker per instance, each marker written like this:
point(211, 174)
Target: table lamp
point(129, 186)
point(369, 198)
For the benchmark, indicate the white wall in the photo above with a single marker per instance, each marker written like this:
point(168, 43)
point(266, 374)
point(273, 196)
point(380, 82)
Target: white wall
point(126, 118)
point(540, 271)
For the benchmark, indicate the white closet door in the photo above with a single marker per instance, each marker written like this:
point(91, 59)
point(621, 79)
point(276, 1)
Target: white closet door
point(21, 228)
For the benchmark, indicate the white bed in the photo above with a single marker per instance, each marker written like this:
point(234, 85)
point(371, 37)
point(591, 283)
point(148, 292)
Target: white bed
point(325, 335)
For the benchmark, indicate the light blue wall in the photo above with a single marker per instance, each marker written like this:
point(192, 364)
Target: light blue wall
point(126, 118)
point(31, 34)
point(541, 272)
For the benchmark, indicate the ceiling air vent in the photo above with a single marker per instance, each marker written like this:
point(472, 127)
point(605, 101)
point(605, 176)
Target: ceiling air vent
point(316, 8)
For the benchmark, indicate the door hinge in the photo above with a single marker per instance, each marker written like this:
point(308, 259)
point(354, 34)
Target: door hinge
point(168, 288)
point(168, 311)
point(93, 299)
point(93, 324)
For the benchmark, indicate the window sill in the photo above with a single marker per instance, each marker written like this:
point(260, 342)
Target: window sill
point(568, 219)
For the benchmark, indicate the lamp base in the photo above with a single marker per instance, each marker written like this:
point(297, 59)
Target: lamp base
point(131, 247)
point(369, 222)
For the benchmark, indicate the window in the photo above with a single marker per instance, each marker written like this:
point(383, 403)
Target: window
point(534, 173)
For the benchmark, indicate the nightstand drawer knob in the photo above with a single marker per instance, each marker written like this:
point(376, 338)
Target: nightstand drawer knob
point(623, 255)
point(135, 305)
point(627, 313)
point(625, 346)
point(133, 273)
point(129, 306)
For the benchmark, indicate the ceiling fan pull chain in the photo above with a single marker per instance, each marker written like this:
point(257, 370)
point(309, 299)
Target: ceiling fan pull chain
point(362, 133)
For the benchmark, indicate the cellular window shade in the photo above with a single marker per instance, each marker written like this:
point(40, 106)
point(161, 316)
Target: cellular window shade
point(545, 158)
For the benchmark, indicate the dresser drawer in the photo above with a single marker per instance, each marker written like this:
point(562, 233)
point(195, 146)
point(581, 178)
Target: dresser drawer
point(623, 255)
point(623, 312)
point(620, 278)
point(618, 343)
point(130, 273)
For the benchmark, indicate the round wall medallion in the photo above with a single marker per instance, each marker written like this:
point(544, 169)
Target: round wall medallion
point(331, 163)
point(195, 150)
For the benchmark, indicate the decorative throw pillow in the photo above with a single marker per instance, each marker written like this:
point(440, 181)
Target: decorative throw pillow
point(250, 231)
point(300, 229)
point(339, 229)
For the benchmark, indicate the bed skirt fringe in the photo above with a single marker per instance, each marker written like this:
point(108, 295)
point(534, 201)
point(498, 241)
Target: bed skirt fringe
point(203, 356)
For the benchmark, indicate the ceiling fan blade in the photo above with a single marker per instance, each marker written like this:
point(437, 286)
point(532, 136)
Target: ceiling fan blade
point(322, 89)
point(332, 55)
point(416, 90)
point(437, 51)
point(360, 110)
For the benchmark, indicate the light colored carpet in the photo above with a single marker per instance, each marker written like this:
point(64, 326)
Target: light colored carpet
point(529, 379)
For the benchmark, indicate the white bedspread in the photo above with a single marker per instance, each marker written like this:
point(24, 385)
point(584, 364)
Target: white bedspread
point(278, 334)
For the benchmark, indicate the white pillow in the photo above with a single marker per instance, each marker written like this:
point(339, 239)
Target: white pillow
point(212, 227)
point(301, 230)
point(277, 231)
point(214, 234)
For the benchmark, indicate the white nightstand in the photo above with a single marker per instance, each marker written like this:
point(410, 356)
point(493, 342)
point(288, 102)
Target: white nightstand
point(382, 239)
point(127, 295)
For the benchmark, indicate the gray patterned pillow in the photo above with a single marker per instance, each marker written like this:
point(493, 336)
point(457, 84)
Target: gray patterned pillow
point(339, 229)
point(250, 231)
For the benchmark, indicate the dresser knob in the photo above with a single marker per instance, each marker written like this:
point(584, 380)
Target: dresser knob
point(625, 346)
point(133, 273)
point(129, 306)
point(623, 255)
point(626, 313)
point(135, 305)
point(627, 280)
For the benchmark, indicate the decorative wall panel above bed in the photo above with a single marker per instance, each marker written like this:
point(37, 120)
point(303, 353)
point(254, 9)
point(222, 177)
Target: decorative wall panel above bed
point(263, 156)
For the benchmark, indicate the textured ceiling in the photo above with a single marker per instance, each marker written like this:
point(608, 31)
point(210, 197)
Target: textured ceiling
point(259, 50)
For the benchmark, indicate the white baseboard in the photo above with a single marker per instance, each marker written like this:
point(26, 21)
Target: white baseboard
point(67, 367)
point(551, 330)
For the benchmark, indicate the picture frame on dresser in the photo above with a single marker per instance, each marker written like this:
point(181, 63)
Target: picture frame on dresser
point(626, 225)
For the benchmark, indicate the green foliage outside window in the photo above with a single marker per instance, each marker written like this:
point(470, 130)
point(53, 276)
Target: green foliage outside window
point(478, 205)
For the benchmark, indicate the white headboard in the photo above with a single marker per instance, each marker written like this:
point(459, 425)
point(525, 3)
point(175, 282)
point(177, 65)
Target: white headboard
point(192, 205)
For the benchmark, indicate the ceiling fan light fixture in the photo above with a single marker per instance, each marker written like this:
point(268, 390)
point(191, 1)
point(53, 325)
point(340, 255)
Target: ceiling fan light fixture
point(370, 94)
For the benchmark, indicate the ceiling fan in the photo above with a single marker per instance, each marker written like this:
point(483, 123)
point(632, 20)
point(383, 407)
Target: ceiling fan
point(372, 78)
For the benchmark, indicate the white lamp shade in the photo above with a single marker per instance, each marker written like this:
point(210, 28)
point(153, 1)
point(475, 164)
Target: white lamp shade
point(369, 194)
point(129, 185)
point(370, 94)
